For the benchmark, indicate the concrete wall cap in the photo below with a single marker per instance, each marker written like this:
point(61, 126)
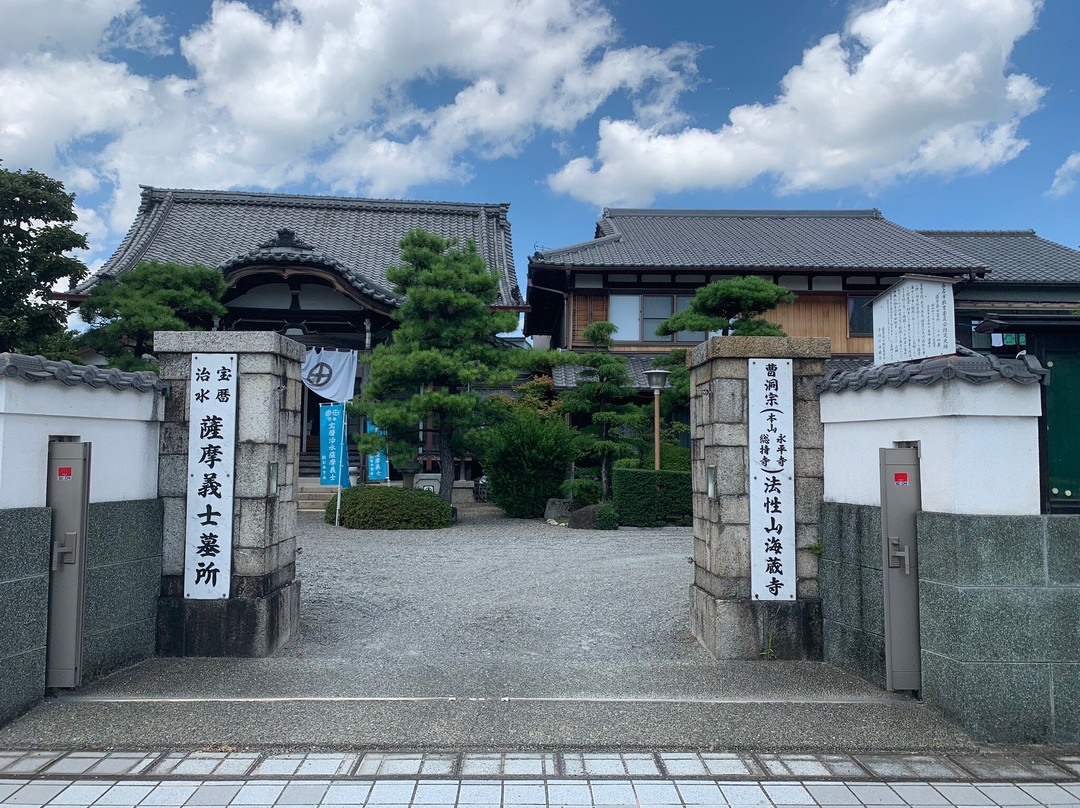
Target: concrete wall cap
point(759, 348)
point(227, 342)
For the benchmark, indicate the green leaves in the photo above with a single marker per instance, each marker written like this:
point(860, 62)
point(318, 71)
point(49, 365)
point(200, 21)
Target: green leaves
point(124, 313)
point(605, 395)
point(442, 351)
point(717, 304)
point(35, 233)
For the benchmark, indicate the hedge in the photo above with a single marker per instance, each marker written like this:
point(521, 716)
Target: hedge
point(672, 458)
point(390, 508)
point(647, 498)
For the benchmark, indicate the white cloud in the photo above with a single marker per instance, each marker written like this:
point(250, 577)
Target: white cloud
point(910, 87)
point(369, 97)
point(139, 32)
point(1067, 176)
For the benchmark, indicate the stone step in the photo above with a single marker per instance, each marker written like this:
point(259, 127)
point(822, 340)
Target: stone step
point(431, 721)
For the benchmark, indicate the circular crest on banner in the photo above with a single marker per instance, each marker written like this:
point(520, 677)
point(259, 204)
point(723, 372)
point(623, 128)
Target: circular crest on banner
point(320, 375)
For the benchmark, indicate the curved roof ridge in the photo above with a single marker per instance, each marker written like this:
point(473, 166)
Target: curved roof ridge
point(135, 242)
point(1028, 232)
point(871, 213)
point(978, 369)
point(269, 255)
point(268, 197)
point(613, 238)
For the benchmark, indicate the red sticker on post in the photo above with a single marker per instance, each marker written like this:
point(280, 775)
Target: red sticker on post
point(900, 478)
point(63, 473)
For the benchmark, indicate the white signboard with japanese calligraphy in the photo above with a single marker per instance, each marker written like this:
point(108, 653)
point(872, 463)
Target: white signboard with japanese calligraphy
point(211, 467)
point(913, 320)
point(772, 479)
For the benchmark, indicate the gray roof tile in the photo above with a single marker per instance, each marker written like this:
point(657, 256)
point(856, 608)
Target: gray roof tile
point(39, 369)
point(1014, 256)
point(359, 235)
point(762, 239)
point(973, 369)
point(567, 376)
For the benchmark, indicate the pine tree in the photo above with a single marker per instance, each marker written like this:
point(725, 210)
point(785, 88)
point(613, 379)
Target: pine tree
point(125, 312)
point(442, 351)
point(741, 300)
point(603, 393)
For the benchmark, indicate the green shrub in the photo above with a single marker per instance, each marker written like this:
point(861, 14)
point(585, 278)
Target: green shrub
point(631, 462)
point(647, 498)
point(526, 458)
point(583, 488)
point(672, 458)
point(390, 508)
point(606, 517)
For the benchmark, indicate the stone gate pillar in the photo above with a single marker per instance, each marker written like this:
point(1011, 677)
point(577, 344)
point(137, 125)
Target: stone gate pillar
point(729, 616)
point(258, 608)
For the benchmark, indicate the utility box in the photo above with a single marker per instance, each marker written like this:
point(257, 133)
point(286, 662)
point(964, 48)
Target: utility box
point(68, 494)
point(901, 500)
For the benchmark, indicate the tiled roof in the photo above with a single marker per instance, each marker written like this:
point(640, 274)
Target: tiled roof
point(758, 239)
point(40, 369)
point(1014, 256)
point(361, 236)
point(567, 376)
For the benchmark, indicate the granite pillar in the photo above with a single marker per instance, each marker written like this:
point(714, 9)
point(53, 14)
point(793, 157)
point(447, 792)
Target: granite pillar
point(723, 615)
point(262, 610)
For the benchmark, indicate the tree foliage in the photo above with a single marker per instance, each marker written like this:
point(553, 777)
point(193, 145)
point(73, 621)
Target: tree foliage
point(125, 312)
point(603, 393)
point(35, 233)
point(741, 300)
point(442, 350)
point(526, 457)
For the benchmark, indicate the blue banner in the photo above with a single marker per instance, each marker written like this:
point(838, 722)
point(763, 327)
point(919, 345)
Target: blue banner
point(378, 468)
point(333, 454)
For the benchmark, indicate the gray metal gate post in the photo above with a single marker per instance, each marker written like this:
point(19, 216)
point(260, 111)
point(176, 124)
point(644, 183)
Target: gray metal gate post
point(900, 500)
point(68, 494)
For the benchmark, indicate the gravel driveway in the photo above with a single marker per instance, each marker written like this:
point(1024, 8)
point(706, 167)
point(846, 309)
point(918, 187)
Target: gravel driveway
point(493, 594)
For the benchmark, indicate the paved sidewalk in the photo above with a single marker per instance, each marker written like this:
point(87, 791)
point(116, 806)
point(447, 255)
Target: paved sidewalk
point(988, 777)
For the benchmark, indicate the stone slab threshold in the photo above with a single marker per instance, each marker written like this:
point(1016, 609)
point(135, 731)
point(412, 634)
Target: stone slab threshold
point(1016, 764)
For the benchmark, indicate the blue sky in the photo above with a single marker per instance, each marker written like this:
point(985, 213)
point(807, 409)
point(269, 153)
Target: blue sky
point(942, 113)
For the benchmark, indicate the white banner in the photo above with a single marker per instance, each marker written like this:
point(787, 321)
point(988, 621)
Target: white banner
point(211, 466)
point(772, 479)
point(330, 373)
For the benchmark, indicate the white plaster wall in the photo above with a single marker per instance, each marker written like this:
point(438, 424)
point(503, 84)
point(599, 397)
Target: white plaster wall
point(979, 444)
point(122, 426)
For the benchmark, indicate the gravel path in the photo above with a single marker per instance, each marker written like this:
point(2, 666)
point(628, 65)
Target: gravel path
point(494, 589)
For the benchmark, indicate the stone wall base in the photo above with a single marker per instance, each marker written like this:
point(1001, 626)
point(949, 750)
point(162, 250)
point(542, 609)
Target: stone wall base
point(745, 629)
point(232, 627)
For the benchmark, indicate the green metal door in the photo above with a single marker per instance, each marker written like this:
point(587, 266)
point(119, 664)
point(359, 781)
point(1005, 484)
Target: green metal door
point(1063, 427)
